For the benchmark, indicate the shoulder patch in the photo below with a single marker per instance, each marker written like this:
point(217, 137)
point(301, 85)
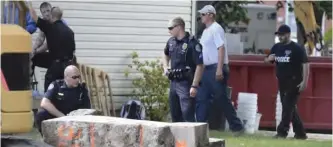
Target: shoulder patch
point(198, 48)
point(51, 86)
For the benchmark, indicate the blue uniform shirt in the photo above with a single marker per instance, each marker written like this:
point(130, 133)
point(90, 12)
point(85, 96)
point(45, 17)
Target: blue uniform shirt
point(184, 52)
point(67, 99)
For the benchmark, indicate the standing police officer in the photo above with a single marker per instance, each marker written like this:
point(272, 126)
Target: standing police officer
point(60, 42)
point(63, 96)
point(185, 54)
point(292, 72)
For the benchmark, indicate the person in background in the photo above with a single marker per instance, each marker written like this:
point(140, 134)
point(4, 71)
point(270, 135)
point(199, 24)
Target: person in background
point(61, 43)
point(212, 95)
point(40, 56)
point(185, 54)
point(30, 24)
point(63, 96)
point(292, 72)
point(40, 44)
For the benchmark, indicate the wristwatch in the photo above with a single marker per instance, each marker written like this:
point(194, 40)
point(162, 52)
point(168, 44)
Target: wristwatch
point(194, 86)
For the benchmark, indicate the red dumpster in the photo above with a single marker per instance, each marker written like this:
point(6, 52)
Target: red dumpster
point(248, 73)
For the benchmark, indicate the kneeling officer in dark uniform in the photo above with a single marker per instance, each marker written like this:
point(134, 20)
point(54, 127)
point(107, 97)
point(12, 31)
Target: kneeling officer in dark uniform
point(63, 96)
point(185, 54)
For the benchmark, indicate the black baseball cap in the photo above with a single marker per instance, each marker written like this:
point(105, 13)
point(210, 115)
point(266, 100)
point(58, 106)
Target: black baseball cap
point(283, 29)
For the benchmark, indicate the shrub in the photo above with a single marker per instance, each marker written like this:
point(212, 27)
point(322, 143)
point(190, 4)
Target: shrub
point(151, 88)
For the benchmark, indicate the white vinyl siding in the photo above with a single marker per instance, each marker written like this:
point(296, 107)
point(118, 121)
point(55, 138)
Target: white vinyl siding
point(107, 32)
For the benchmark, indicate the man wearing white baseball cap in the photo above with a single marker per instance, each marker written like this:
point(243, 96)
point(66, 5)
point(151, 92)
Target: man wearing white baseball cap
point(215, 76)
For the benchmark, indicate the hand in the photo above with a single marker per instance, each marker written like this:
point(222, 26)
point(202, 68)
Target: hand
point(32, 54)
point(219, 75)
point(193, 92)
point(28, 3)
point(271, 57)
point(301, 86)
point(166, 71)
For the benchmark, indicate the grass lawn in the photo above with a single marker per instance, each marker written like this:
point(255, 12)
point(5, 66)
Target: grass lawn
point(266, 141)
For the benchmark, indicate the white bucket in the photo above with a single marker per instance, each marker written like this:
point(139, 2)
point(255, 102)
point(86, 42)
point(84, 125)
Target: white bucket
point(247, 110)
point(257, 123)
point(247, 98)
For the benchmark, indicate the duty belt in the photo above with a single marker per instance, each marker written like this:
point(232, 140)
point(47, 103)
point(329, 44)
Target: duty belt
point(180, 74)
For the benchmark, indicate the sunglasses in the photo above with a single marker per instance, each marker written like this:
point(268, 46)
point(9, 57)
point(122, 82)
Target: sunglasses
point(204, 14)
point(171, 28)
point(76, 77)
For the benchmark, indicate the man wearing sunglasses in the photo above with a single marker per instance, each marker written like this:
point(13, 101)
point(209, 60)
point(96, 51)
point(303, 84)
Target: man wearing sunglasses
point(185, 54)
point(292, 72)
point(63, 96)
point(212, 96)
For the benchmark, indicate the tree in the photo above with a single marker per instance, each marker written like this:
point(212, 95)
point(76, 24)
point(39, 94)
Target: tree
point(227, 12)
point(230, 11)
point(319, 7)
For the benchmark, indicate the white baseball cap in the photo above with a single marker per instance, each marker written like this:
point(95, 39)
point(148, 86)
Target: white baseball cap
point(207, 9)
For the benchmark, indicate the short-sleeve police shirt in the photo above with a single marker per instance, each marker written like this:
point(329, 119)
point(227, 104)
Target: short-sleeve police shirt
point(184, 52)
point(67, 99)
point(289, 59)
point(60, 38)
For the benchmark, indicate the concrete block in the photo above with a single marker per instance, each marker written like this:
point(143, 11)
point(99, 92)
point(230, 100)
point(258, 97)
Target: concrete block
point(81, 112)
point(215, 142)
point(190, 134)
point(99, 131)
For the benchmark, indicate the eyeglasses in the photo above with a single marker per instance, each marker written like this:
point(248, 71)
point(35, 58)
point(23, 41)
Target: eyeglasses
point(76, 77)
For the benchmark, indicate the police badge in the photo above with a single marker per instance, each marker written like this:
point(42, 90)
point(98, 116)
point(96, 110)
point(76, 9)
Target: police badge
point(184, 47)
point(287, 52)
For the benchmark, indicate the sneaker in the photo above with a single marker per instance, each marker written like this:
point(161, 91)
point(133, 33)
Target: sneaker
point(301, 137)
point(238, 133)
point(279, 136)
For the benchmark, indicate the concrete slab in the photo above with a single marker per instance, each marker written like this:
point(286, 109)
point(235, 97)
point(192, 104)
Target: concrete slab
point(106, 131)
point(190, 134)
point(215, 142)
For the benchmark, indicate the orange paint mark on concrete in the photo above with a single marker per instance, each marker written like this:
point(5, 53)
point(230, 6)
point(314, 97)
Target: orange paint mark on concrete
point(69, 137)
point(141, 136)
point(91, 134)
point(181, 143)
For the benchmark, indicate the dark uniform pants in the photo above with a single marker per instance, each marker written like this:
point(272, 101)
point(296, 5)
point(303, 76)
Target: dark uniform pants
point(289, 94)
point(42, 115)
point(212, 100)
point(54, 72)
point(181, 104)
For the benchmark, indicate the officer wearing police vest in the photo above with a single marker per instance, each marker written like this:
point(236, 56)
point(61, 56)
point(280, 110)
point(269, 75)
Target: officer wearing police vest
point(63, 96)
point(185, 54)
point(292, 72)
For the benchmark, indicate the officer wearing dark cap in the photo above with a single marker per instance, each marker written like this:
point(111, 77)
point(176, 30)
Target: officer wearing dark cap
point(292, 72)
point(63, 96)
point(185, 54)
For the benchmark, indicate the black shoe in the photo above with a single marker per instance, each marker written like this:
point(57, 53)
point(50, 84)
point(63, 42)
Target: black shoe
point(279, 136)
point(238, 133)
point(301, 137)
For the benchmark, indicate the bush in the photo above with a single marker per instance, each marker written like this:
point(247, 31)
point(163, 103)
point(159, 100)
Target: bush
point(328, 37)
point(151, 88)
